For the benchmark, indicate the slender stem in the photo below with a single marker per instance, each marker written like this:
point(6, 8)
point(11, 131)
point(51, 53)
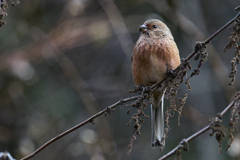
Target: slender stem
point(214, 35)
point(195, 135)
point(226, 109)
point(221, 29)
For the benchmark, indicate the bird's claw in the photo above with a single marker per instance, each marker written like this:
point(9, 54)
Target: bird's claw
point(171, 73)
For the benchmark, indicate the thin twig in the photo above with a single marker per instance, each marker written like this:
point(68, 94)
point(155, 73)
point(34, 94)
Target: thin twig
point(195, 135)
point(89, 120)
point(226, 109)
point(214, 35)
point(221, 29)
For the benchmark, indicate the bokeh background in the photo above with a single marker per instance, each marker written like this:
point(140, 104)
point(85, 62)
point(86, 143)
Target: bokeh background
point(62, 61)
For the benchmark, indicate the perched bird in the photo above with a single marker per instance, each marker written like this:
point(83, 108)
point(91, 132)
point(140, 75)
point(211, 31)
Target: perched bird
point(154, 54)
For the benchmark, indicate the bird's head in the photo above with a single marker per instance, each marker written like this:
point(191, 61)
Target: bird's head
point(155, 28)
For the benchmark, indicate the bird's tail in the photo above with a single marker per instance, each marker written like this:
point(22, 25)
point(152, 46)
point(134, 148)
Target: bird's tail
point(157, 118)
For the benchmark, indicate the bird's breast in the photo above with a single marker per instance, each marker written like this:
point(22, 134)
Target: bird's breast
point(151, 59)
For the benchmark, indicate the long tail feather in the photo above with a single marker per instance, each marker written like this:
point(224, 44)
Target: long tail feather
point(157, 118)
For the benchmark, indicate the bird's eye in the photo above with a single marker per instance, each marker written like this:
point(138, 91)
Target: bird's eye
point(154, 26)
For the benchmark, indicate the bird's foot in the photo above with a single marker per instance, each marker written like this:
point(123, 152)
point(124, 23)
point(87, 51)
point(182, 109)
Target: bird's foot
point(171, 73)
point(146, 89)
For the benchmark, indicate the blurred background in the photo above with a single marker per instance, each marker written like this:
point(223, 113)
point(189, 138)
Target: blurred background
point(62, 61)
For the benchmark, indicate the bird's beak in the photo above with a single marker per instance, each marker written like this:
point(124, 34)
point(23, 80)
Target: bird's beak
point(143, 28)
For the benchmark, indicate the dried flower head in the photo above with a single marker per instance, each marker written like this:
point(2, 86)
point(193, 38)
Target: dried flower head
point(234, 43)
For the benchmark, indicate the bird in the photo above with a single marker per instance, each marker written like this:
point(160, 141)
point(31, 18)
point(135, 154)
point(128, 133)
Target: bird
point(154, 54)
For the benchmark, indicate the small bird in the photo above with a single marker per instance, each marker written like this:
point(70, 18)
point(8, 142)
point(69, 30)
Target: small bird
point(154, 54)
